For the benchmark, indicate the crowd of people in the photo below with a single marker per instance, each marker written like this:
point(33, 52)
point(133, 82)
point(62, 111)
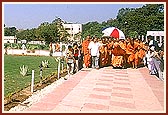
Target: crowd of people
point(96, 53)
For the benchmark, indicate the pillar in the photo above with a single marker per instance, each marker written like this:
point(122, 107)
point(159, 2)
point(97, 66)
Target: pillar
point(160, 39)
point(142, 37)
point(155, 38)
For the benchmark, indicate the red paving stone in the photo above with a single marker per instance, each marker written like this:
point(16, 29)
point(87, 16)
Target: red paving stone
point(107, 76)
point(102, 89)
point(122, 104)
point(122, 88)
point(155, 84)
point(106, 80)
point(105, 84)
point(99, 96)
point(122, 95)
point(116, 75)
point(121, 79)
point(122, 83)
point(96, 106)
point(105, 90)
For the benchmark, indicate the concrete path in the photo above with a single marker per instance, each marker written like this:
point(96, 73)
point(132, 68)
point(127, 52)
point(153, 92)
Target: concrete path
point(106, 90)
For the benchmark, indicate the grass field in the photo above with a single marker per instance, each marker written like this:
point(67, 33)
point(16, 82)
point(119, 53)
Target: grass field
point(14, 81)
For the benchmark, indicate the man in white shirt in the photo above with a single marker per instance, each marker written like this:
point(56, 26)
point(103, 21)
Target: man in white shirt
point(94, 50)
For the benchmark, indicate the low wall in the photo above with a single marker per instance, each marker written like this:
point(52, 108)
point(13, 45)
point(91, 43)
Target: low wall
point(27, 52)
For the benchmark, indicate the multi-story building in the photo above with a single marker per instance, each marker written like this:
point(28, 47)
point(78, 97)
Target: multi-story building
point(74, 30)
point(158, 36)
point(10, 39)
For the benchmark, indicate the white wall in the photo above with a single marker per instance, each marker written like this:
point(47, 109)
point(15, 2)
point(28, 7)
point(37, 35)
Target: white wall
point(19, 52)
point(11, 39)
point(73, 29)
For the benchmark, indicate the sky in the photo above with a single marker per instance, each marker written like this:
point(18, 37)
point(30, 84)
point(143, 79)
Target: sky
point(27, 16)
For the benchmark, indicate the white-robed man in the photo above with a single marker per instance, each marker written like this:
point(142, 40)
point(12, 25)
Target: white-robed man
point(94, 50)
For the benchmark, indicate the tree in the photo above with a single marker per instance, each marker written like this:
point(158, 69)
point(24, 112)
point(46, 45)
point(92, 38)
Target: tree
point(62, 33)
point(141, 20)
point(92, 29)
point(10, 31)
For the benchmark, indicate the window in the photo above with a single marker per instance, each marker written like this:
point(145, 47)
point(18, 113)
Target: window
point(67, 28)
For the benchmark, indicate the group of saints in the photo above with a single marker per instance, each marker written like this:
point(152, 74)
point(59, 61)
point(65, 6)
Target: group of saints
point(114, 52)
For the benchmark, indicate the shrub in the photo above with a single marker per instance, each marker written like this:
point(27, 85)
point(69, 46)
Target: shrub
point(23, 70)
point(45, 63)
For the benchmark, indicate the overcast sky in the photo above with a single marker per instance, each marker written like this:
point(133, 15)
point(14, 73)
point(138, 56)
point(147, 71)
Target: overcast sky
point(27, 16)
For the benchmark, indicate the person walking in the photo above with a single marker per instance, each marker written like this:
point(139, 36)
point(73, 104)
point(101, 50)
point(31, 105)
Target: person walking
point(118, 52)
point(70, 60)
point(80, 57)
point(85, 50)
point(103, 53)
point(75, 54)
point(130, 52)
point(94, 50)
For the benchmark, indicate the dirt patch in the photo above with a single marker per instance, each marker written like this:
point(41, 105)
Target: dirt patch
point(19, 97)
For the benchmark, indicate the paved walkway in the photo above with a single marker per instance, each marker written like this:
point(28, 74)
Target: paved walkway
point(105, 90)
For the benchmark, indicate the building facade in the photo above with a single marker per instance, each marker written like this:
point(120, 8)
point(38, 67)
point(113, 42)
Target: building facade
point(158, 36)
point(10, 39)
point(74, 30)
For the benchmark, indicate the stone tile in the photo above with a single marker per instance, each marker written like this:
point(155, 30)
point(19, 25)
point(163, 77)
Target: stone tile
point(79, 93)
point(41, 106)
point(66, 108)
point(104, 84)
point(122, 99)
point(120, 75)
point(101, 93)
point(74, 98)
point(121, 79)
point(123, 104)
point(97, 101)
point(122, 91)
point(107, 75)
point(96, 106)
point(122, 95)
point(148, 105)
point(118, 109)
point(92, 110)
point(122, 88)
point(73, 103)
point(121, 83)
point(143, 94)
point(102, 89)
point(99, 96)
point(107, 80)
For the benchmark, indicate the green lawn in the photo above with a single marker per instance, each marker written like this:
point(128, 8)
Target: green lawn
point(14, 81)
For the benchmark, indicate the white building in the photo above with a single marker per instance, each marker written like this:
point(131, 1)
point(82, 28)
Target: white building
point(37, 42)
point(73, 29)
point(10, 39)
point(158, 35)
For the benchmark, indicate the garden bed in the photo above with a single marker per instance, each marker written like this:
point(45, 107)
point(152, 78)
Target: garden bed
point(20, 96)
point(17, 87)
